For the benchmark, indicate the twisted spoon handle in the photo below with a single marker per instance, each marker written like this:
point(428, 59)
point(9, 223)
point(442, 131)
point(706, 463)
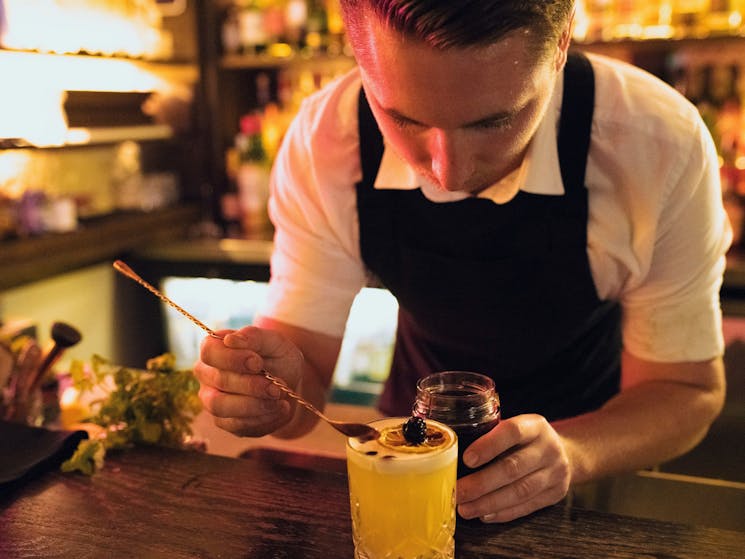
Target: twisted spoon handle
point(307, 405)
point(121, 267)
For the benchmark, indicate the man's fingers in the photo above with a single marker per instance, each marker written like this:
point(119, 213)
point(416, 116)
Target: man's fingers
point(221, 404)
point(509, 433)
point(508, 468)
point(549, 497)
point(524, 492)
point(248, 384)
point(255, 426)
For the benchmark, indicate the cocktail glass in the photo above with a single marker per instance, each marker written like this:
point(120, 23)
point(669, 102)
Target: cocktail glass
point(402, 495)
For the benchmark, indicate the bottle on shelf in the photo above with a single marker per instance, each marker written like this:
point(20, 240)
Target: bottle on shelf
point(274, 22)
point(316, 27)
point(337, 42)
point(725, 17)
point(252, 176)
point(230, 32)
point(230, 208)
point(608, 20)
point(296, 19)
point(251, 29)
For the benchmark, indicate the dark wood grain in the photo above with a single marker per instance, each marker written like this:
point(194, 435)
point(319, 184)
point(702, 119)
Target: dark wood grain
point(164, 503)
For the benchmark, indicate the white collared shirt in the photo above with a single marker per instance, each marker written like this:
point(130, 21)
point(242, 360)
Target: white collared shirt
point(657, 230)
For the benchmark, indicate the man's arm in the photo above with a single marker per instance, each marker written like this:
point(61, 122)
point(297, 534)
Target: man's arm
point(662, 411)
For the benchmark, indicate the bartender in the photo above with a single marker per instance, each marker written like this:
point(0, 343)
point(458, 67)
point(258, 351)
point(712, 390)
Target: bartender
point(550, 219)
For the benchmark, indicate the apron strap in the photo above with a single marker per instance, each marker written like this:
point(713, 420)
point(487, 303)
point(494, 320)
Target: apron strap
point(578, 103)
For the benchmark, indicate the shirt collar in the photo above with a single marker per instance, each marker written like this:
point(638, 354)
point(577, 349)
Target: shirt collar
point(539, 172)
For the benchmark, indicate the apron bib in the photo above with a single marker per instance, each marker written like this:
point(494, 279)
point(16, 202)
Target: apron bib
point(505, 290)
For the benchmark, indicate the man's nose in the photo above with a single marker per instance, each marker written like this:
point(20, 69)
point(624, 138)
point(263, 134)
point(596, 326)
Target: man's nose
point(450, 159)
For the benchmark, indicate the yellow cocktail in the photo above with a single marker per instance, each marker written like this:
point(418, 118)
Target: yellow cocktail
point(402, 495)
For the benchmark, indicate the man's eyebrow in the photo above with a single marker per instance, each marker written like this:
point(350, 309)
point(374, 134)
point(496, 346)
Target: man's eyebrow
point(499, 116)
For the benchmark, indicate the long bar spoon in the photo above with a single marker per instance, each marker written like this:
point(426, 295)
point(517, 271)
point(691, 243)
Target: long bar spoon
point(350, 429)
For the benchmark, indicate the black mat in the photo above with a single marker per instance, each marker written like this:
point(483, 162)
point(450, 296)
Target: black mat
point(26, 452)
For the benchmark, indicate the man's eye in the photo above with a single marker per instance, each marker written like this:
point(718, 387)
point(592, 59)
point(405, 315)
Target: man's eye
point(497, 124)
point(401, 122)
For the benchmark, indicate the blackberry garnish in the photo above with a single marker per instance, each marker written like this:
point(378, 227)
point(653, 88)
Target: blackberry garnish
point(415, 430)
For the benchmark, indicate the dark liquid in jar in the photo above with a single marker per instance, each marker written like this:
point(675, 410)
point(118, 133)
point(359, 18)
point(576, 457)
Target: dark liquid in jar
point(463, 400)
point(466, 435)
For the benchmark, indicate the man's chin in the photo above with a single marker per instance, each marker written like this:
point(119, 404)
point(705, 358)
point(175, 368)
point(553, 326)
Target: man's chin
point(456, 189)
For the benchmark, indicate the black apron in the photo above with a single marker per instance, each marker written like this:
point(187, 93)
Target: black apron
point(505, 290)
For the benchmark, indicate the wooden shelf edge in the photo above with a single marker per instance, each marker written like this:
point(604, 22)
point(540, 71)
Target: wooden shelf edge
point(25, 261)
point(101, 135)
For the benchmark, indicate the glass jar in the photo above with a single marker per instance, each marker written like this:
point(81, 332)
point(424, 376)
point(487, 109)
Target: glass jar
point(465, 401)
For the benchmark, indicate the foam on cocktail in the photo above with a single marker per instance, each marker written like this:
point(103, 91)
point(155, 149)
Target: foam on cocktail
point(391, 452)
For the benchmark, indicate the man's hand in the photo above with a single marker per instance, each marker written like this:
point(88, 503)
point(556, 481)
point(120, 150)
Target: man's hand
point(242, 400)
point(526, 468)
point(662, 411)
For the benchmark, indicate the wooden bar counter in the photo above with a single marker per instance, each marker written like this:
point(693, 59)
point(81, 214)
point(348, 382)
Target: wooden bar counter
point(154, 502)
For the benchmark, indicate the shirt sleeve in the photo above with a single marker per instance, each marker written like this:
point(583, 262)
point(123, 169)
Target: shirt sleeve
point(674, 313)
point(316, 269)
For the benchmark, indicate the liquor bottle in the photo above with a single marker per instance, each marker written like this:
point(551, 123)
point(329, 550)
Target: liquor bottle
point(336, 33)
point(230, 207)
point(688, 18)
point(704, 98)
point(725, 17)
point(252, 33)
point(601, 17)
point(274, 22)
point(252, 176)
point(296, 18)
point(316, 27)
point(231, 31)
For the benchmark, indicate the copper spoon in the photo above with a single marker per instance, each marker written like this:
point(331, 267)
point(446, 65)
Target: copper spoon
point(359, 430)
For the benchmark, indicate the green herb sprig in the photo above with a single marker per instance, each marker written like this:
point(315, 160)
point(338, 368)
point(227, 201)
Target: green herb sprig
point(155, 406)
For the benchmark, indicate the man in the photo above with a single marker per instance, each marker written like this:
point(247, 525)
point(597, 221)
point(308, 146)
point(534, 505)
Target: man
point(554, 223)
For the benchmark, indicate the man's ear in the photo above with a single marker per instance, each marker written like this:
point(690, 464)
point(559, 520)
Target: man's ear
point(564, 41)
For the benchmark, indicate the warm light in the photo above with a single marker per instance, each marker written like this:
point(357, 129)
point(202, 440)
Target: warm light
point(69, 397)
point(272, 129)
point(666, 14)
point(115, 27)
point(296, 13)
point(33, 113)
point(76, 73)
point(740, 162)
point(78, 136)
point(335, 22)
point(306, 82)
point(581, 22)
point(13, 164)
point(657, 31)
point(34, 86)
point(280, 50)
point(72, 410)
point(630, 30)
